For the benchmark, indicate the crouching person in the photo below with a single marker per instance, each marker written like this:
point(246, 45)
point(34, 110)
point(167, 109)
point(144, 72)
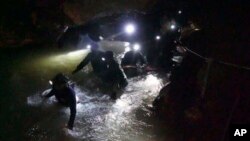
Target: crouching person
point(65, 95)
point(132, 63)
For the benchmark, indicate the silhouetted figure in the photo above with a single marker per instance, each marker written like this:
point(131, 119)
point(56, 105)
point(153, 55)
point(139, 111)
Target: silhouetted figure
point(166, 49)
point(115, 75)
point(132, 63)
point(98, 62)
point(106, 68)
point(65, 95)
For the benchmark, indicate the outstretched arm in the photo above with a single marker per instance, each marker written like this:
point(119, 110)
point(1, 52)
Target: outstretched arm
point(51, 93)
point(72, 111)
point(83, 63)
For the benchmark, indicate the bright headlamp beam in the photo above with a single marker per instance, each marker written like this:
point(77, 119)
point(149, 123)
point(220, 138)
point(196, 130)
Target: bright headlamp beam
point(130, 28)
point(172, 26)
point(75, 53)
point(136, 47)
point(158, 37)
point(88, 46)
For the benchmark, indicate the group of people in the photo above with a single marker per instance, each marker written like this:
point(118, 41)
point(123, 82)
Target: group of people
point(106, 68)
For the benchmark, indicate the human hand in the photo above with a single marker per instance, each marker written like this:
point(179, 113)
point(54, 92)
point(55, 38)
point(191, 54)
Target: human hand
point(69, 127)
point(66, 126)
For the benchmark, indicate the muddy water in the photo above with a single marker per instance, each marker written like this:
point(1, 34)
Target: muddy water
point(27, 116)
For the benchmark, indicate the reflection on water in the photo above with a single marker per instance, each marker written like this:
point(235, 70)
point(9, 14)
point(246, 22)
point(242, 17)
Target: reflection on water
point(99, 118)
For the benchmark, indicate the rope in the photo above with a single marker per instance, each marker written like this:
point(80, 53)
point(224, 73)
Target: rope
point(234, 65)
point(210, 61)
point(219, 61)
point(196, 54)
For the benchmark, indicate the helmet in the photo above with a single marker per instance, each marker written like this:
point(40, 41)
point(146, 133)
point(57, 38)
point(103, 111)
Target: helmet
point(60, 79)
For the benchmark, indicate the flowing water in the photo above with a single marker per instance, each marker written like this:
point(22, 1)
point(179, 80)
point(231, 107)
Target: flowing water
point(28, 116)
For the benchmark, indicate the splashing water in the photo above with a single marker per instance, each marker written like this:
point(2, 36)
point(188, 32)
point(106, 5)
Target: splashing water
point(101, 119)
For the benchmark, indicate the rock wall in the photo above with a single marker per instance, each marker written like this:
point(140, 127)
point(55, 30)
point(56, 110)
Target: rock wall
point(23, 21)
point(79, 11)
point(207, 116)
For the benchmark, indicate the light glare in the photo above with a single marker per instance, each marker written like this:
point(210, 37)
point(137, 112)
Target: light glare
point(129, 28)
point(172, 26)
point(136, 47)
point(88, 46)
point(127, 49)
point(101, 38)
point(50, 82)
point(158, 37)
point(126, 44)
